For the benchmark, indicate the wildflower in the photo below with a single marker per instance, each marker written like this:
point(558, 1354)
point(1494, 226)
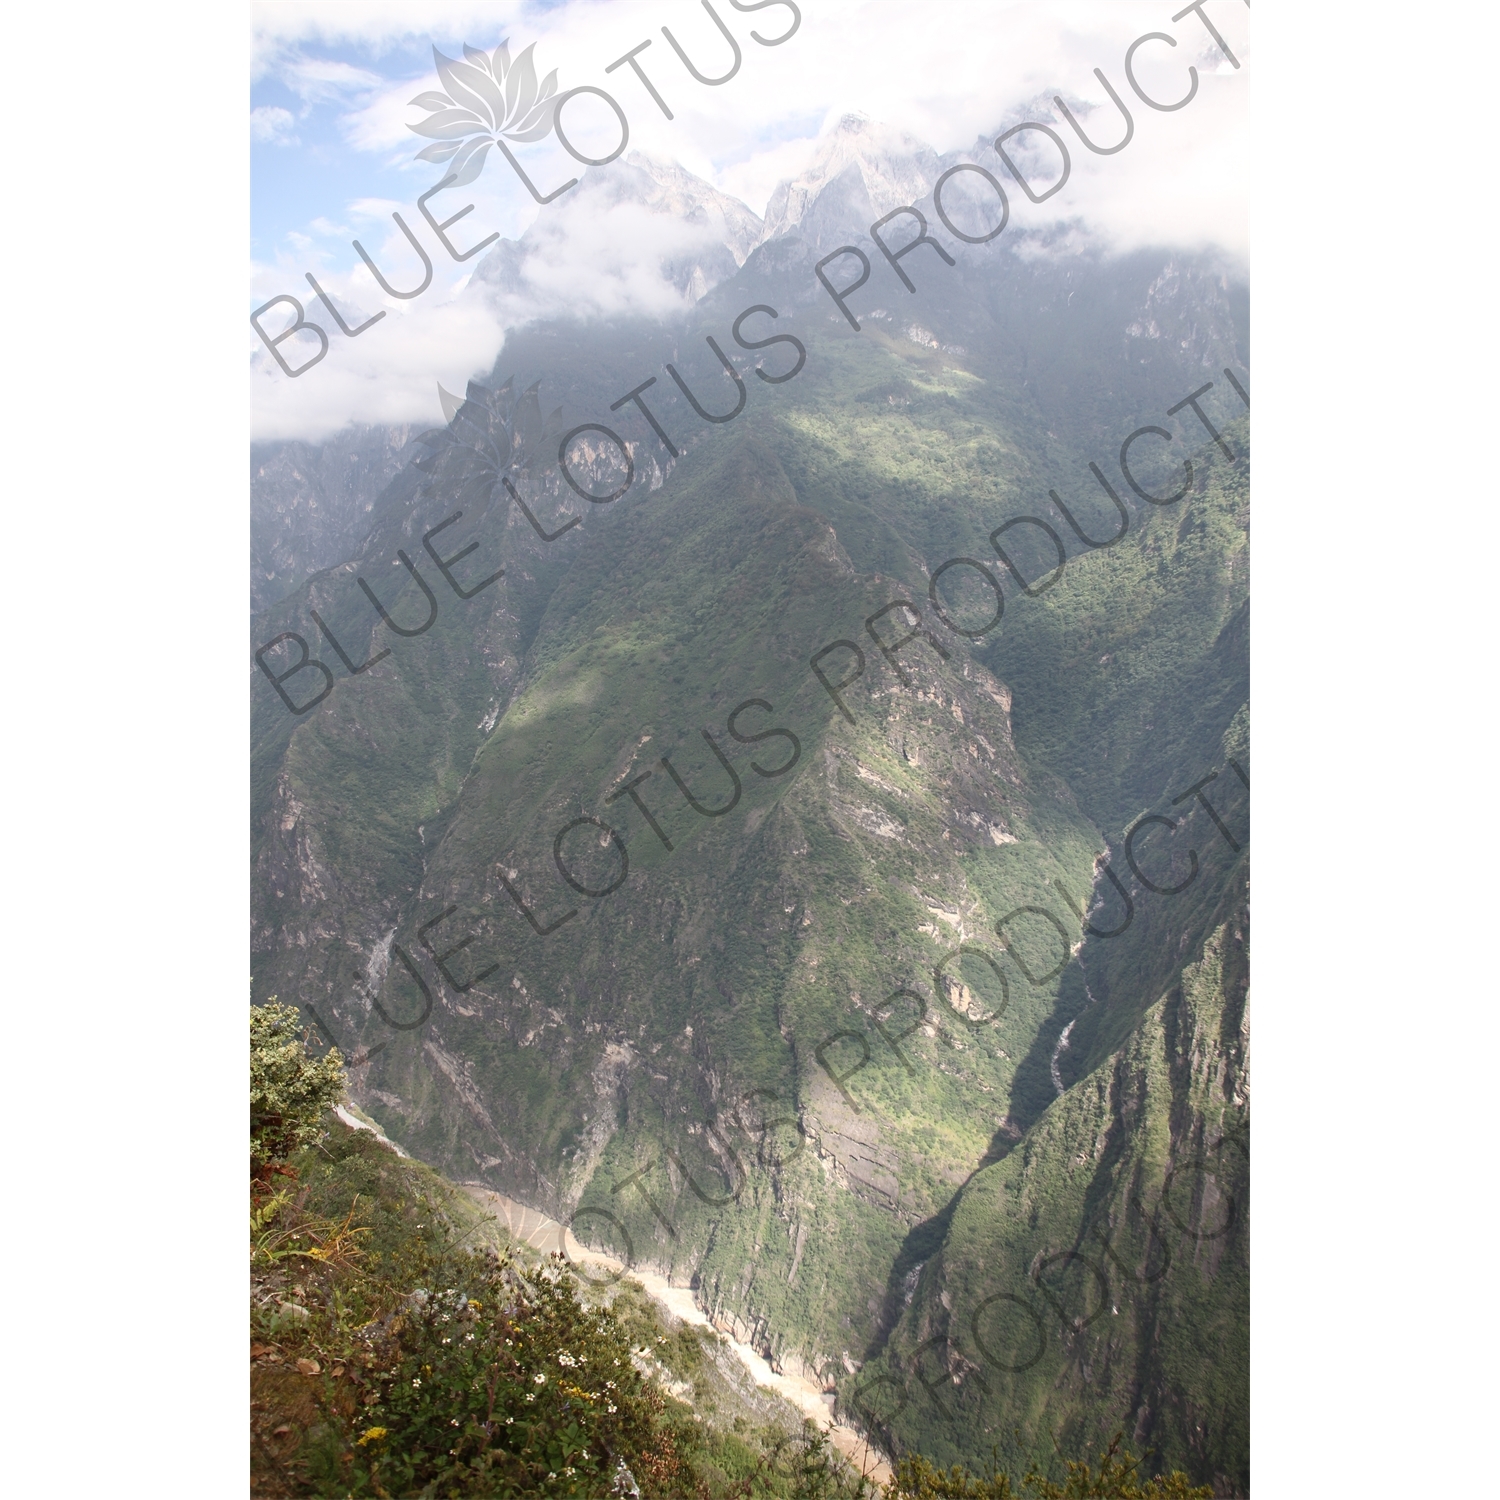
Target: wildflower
point(509, 1420)
point(530, 1396)
point(415, 1381)
point(453, 1421)
point(611, 1409)
point(372, 1435)
point(539, 1378)
point(551, 1475)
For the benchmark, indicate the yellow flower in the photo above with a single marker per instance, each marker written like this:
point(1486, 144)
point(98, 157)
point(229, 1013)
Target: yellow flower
point(372, 1435)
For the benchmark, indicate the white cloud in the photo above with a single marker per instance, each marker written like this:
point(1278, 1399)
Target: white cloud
point(588, 263)
point(388, 374)
point(375, 24)
point(318, 80)
point(754, 179)
point(271, 125)
point(380, 124)
point(373, 208)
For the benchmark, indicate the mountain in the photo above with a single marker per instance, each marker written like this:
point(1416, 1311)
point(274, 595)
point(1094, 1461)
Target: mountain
point(310, 503)
point(698, 880)
point(862, 171)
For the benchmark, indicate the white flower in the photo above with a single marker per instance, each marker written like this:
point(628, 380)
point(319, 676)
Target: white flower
point(539, 1378)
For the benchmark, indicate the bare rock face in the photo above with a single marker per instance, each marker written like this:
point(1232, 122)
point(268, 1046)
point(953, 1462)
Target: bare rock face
point(310, 504)
point(863, 171)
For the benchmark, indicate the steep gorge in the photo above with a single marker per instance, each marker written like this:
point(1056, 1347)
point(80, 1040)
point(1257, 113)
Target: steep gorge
point(799, 1055)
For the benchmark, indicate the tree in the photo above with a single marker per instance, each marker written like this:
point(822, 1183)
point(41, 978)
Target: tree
point(289, 1088)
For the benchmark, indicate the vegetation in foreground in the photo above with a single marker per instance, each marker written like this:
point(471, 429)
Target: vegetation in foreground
point(400, 1347)
point(1115, 1479)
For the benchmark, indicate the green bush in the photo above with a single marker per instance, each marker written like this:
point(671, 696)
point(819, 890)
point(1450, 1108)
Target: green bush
point(500, 1383)
point(289, 1090)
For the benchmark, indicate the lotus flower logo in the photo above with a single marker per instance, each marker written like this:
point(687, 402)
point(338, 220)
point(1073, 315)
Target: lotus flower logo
point(488, 96)
point(494, 430)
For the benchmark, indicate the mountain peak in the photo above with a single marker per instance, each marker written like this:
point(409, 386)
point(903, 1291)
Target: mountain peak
point(861, 170)
point(686, 196)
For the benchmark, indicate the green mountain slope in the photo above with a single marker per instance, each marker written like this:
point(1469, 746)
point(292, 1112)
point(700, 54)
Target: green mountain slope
point(1098, 1277)
point(769, 1057)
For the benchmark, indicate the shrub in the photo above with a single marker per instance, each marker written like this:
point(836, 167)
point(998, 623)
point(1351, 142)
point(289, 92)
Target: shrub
point(289, 1089)
point(502, 1382)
